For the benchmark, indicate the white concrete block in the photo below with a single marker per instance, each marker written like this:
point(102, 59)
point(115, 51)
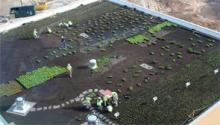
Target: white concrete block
point(146, 66)
point(56, 106)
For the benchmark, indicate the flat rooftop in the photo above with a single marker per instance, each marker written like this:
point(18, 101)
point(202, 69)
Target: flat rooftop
point(125, 42)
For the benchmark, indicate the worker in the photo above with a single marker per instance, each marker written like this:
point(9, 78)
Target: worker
point(66, 25)
point(70, 23)
point(105, 100)
point(116, 115)
point(49, 30)
point(110, 108)
point(99, 103)
point(35, 34)
point(87, 101)
point(69, 68)
point(115, 98)
point(63, 42)
point(60, 24)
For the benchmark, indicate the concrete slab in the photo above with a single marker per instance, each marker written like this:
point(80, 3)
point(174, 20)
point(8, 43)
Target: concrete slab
point(27, 108)
point(146, 66)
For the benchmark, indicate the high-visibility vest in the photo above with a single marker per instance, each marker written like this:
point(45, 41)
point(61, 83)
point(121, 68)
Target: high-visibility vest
point(99, 102)
point(88, 100)
point(70, 23)
point(35, 33)
point(105, 99)
point(69, 67)
point(49, 30)
point(114, 95)
point(109, 108)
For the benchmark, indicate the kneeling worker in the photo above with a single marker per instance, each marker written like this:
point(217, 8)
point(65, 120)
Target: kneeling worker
point(99, 103)
point(110, 108)
point(115, 98)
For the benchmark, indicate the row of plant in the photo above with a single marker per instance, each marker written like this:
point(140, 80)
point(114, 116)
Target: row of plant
point(175, 101)
point(193, 51)
point(10, 89)
point(75, 15)
point(159, 27)
point(138, 39)
point(39, 76)
point(212, 58)
point(112, 23)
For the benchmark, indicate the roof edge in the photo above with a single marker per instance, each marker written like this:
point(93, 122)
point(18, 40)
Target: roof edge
point(200, 117)
point(181, 22)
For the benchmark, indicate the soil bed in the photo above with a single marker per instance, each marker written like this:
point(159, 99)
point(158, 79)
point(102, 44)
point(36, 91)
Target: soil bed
point(108, 27)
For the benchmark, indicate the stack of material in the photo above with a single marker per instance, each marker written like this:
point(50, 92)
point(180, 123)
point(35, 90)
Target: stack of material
point(105, 93)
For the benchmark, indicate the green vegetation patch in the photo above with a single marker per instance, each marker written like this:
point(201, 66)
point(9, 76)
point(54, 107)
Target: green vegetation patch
point(138, 39)
point(193, 51)
point(159, 27)
point(39, 76)
point(102, 62)
point(212, 58)
point(175, 102)
point(10, 89)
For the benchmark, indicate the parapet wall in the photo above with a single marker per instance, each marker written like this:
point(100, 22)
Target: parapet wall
point(183, 23)
point(18, 22)
point(209, 117)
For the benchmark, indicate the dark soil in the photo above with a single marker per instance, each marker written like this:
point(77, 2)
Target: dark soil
point(19, 56)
